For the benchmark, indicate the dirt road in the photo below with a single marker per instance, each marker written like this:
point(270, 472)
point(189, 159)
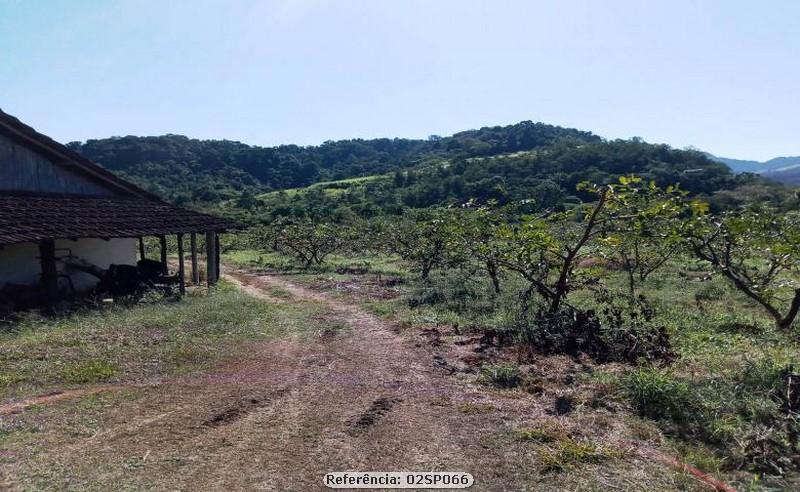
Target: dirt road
point(355, 396)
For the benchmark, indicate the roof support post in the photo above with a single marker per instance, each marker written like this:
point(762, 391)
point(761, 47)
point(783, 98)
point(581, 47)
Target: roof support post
point(141, 248)
point(181, 272)
point(163, 240)
point(211, 254)
point(47, 256)
point(218, 250)
point(195, 270)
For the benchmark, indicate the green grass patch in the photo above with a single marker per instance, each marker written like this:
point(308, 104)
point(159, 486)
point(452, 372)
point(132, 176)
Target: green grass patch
point(124, 342)
point(557, 450)
point(569, 453)
point(500, 375)
point(90, 371)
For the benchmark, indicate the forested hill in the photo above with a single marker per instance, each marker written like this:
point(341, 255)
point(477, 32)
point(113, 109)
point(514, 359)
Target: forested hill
point(545, 178)
point(534, 163)
point(189, 170)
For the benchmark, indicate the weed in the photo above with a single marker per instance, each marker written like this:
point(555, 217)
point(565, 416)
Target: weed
point(657, 395)
point(560, 451)
point(500, 375)
point(90, 371)
point(570, 453)
point(545, 432)
point(10, 379)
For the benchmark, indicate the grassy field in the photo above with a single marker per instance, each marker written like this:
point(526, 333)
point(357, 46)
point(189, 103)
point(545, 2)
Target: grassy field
point(331, 188)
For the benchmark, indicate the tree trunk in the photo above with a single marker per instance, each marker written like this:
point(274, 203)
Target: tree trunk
point(631, 284)
point(787, 320)
point(491, 267)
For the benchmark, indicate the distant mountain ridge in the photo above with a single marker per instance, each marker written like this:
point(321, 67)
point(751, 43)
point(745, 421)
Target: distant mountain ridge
point(776, 168)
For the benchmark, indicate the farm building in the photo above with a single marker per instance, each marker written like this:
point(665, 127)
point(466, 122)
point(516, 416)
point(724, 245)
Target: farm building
point(67, 224)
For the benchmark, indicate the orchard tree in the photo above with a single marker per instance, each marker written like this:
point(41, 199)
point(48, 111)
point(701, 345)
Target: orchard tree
point(419, 238)
point(758, 250)
point(311, 243)
point(472, 234)
point(546, 249)
point(645, 233)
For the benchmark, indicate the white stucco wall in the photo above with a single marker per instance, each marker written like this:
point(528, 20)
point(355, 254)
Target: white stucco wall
point(19, 263)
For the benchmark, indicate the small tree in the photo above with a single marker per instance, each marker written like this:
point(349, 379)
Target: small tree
point(757, 250)
point(312, 243)
point(545, 250)
point(471, 235)
point(645, 234)
point(419, 238)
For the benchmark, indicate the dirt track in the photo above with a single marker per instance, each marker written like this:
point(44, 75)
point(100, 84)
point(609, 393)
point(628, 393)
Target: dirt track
point(355, 396)
point(366, 398)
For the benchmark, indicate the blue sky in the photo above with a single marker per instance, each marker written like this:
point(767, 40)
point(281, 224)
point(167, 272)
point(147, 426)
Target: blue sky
point(720, 75)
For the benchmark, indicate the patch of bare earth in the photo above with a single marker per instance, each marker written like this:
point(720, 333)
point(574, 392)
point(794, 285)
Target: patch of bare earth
point(365, 398)
point(19, 406)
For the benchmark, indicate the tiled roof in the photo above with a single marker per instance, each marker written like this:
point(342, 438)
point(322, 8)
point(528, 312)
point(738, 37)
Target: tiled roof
point(34, 216)
point(26, 218)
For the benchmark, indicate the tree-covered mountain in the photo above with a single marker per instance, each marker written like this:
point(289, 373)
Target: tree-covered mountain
point(543, 179)
point(532, 163)
point(190, 170)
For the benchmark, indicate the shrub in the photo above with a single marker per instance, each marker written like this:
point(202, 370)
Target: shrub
point(614, 334)
point(746, 417)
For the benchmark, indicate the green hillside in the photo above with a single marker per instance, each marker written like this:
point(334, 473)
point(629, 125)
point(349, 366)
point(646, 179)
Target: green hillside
point(543, 180)
point(186, 170)
point(532, 163)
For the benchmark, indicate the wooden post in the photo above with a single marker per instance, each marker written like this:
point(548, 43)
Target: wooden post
point(219, 253)
point(47, 256)
point(195, 270)
point(163, 240)
point(211, 254)
point(141, 248)
point(181, 273)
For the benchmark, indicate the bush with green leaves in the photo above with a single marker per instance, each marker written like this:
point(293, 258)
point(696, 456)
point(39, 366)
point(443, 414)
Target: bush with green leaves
point(421, 239)
point(646, 233)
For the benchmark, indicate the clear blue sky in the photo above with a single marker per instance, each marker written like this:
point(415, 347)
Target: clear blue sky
point(720, 75)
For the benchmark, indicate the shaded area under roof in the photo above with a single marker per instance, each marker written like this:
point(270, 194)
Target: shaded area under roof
point(25, 218)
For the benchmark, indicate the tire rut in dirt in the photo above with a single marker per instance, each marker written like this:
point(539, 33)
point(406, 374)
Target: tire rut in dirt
point(373, 414)
point(240, 409)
